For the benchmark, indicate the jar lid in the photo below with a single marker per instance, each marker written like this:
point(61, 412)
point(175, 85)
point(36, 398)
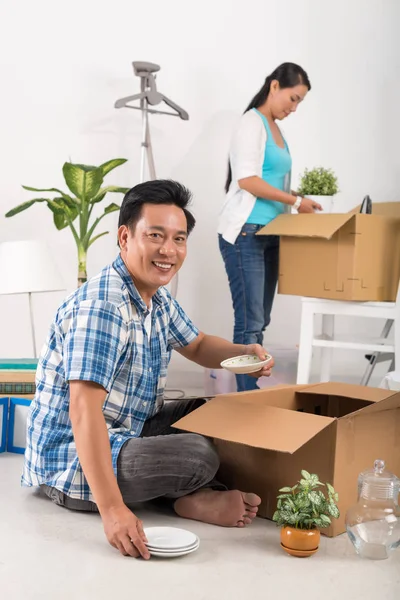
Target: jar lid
point(379, 483)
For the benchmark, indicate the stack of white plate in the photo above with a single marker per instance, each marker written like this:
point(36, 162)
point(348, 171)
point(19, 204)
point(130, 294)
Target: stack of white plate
point(170, 542)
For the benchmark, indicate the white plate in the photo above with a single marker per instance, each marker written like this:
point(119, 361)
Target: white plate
point(158, 549)
point(170, 538)
point(247, 363)
point(172, 554)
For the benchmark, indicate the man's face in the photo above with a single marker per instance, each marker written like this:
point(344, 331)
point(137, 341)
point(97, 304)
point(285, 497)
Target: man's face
point(156, 248)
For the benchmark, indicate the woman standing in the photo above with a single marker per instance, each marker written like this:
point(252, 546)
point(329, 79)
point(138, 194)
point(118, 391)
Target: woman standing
point(258, 190)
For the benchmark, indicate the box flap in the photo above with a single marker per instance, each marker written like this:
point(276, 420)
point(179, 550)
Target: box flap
point(304, 225)
point(260, 426)
point(389, 403)
point(383, 209)
point(347, 390)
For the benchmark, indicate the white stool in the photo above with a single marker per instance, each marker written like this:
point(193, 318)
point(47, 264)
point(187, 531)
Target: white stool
point(327, 341)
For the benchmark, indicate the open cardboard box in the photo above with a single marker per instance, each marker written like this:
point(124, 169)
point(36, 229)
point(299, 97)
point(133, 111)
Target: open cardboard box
point(264, 438)
point(349, 256)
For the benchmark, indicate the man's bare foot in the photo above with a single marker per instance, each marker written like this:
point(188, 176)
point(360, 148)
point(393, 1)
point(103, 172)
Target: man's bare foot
point(228, 509)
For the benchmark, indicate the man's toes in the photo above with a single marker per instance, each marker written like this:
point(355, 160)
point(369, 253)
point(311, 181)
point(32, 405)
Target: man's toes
point(247, 520)
point(251, 508)
point(250, 514)
point(251, 499)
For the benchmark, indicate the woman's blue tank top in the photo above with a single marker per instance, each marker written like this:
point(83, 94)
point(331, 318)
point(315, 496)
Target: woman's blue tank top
point(277, 164)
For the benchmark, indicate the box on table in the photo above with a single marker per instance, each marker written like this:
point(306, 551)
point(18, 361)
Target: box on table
point(266, 437)
point(348, 256)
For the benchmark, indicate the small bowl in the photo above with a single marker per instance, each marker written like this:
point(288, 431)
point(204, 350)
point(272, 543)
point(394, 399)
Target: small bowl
point(247, 363)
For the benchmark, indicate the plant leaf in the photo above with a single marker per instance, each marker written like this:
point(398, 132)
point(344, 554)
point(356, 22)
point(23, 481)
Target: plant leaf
point(65, 196)
point(325, 519)
point(318, 522)
point(96, 237)
point(330, 488)
point(60, 220)
point(82, 180)
point(111, 188)
point(111, 208)
point(24, 206)
point(316, 499)
point(305, 474)
point(333, 511)
point(286, 489)
point(313, 481)
point(112, 164)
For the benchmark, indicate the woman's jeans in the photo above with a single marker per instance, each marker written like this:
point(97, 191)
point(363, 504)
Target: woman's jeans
point(252, 267)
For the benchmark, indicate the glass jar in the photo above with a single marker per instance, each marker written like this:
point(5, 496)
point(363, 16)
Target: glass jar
point(373, 524)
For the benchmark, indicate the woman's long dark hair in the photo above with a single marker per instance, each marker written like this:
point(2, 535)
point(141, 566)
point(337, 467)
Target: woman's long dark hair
point(288, 75)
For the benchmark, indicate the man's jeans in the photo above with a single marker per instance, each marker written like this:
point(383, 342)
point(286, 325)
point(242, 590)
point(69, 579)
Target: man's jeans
point(252, 265)
point(164, 462)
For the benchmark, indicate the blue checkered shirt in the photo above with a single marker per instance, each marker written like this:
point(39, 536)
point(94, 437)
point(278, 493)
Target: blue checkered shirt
point(98, 334)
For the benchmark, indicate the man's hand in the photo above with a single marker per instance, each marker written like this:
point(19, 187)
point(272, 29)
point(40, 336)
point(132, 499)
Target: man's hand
point(125, 532)
point(262, 354)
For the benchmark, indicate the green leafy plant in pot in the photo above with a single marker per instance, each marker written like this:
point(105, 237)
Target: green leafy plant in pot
point(320, 185)
point(75, 211)
point(302, 510)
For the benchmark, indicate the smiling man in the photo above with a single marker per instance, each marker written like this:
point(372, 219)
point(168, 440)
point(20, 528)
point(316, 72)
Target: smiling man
point(100, 437)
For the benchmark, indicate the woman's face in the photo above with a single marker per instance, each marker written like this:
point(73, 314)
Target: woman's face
point(285, 101)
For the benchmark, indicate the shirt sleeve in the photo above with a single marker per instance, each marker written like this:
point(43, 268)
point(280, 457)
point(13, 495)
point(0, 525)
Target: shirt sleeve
point(95, 337)
point(182, 330)
point(246, 150)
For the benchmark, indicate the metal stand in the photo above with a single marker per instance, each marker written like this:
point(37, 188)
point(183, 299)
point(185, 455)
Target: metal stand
point(149, 95)
point(32, 325)
point(377, 357)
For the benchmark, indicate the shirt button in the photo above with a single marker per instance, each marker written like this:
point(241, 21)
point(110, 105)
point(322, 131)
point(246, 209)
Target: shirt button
point(144, 403)
point(133, 432)
point(150, 370)
point(119, 438)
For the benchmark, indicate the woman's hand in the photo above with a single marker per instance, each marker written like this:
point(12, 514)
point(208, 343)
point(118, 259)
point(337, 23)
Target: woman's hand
point(308, 206)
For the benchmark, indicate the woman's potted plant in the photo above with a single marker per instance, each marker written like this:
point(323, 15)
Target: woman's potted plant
point(302, 510)
point(320, 185)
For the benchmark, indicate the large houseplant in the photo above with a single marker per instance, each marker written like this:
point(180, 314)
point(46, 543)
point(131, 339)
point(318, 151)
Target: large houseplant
point(302, 510)
point(75, 211)
point(319, 184)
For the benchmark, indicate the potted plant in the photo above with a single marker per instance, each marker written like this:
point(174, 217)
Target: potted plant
point(320, 185)
point(302, 510)
point(84, 182)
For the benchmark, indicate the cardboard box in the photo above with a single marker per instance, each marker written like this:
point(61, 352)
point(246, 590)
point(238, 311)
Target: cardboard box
point(349, 256)
point(264, 438)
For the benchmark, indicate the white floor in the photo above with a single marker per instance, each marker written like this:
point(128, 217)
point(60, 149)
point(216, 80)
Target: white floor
point(47, 552)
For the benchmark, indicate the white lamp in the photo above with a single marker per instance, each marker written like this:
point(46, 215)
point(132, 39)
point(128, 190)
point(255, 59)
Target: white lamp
point(27, 267)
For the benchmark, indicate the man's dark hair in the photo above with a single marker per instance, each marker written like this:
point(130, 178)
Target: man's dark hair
point(158, 191)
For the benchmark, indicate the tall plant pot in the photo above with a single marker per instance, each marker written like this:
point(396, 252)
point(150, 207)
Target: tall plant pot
point(300, 542)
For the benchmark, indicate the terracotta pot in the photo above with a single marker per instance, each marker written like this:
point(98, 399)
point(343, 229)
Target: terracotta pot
point(300, 542)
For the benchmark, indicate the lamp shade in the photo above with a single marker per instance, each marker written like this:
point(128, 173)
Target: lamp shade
point(28, 266)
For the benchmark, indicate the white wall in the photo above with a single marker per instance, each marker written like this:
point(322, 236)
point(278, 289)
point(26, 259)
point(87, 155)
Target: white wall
point(62, 68)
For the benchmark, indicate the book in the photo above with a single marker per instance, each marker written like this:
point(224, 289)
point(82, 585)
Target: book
point(18, 364)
